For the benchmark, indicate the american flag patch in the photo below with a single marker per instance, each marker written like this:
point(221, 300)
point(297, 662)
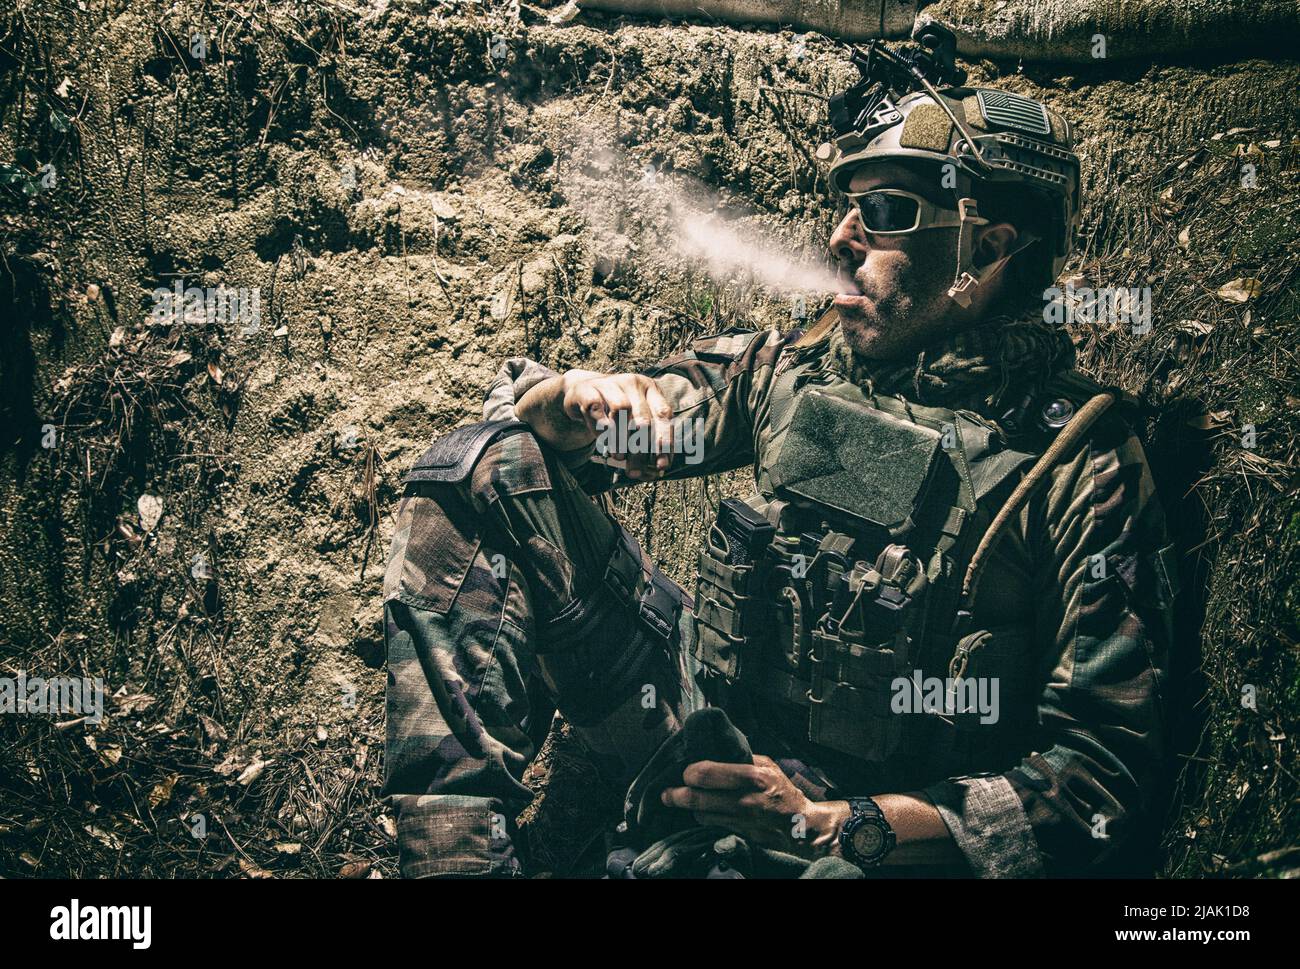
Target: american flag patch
point(1003, 110)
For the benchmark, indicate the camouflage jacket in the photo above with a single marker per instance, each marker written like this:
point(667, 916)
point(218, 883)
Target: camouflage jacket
point(1072, 781)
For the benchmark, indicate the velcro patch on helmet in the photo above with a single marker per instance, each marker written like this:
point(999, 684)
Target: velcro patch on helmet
point(927, 128)
point(1001, 109)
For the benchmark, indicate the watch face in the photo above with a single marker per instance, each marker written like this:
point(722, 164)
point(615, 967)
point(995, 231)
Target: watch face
point(868, 839)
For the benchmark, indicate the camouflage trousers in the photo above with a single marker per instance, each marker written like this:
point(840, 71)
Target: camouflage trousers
point(508, 594)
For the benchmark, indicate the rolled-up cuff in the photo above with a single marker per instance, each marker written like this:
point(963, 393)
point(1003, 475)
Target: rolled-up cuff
point(989, 825)
point(517, 376)
point(446, 835)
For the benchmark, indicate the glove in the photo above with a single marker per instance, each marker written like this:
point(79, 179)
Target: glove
point(705, 735)
point(688, 854)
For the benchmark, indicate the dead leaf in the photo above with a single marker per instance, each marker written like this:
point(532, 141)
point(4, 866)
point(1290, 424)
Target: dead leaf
point(178, 358)
point(252, 870)
point(287, 847)
point(151, 509)
point(1196, 327)
point(1185, 237)
point(1240, 290)
point(133, 702)
point(355, 869)
point(162, 791)
point(105, 837)
point(214, 730)
point(235, 761)
point(215, 373)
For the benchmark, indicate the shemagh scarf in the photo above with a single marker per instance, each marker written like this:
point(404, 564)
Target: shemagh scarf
point(971, 369)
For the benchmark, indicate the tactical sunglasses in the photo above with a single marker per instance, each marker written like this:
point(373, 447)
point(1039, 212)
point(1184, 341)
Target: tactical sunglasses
point(892, 211)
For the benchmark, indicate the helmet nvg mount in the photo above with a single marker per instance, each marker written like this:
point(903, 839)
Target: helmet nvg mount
point(913, 105)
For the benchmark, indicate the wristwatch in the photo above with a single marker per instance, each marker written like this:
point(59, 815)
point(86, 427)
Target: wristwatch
point(866, 837)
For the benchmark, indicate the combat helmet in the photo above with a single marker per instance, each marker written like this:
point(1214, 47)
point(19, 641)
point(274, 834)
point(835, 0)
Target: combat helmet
point(915, 105)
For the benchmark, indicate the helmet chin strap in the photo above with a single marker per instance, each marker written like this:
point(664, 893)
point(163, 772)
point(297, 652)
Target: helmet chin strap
point(968, 278)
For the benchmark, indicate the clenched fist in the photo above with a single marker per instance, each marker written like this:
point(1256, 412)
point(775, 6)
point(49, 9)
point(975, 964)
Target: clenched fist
point(572, 410)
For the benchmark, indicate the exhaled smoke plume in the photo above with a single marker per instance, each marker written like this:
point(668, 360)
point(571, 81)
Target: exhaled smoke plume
point(726, 251)
point(671, 218)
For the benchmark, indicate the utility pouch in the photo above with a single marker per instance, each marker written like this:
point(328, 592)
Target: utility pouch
point(859, 650)
point(728, 605)
point(866, 465)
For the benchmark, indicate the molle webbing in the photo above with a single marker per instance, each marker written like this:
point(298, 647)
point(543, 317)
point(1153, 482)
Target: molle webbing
point(658, 600)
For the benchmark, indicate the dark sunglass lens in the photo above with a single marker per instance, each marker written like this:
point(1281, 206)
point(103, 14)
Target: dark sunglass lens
point(887, 213)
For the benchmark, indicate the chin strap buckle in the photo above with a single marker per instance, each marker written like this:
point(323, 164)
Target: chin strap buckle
point(962, 288)
point(968, 277)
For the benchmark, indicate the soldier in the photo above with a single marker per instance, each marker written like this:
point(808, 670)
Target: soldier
point(940, 622)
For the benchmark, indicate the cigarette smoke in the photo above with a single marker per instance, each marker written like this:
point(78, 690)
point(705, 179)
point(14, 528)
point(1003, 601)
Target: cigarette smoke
point(725, 251)
point(674, 221)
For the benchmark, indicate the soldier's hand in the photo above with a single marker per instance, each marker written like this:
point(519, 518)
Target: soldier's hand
point(633, 412)
point(759, 802)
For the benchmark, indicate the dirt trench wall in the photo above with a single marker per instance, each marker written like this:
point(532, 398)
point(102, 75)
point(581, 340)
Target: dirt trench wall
point(417, 196)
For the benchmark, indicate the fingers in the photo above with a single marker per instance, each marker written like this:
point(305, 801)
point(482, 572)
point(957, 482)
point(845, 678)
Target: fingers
point(718, 776)
point(711, 802)
point(662, 413)
point(633, 408)
point(583, 402)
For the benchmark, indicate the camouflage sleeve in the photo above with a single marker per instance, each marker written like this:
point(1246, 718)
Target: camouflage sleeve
point(716, 387)
point(1095, 537)
point(517, 376)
